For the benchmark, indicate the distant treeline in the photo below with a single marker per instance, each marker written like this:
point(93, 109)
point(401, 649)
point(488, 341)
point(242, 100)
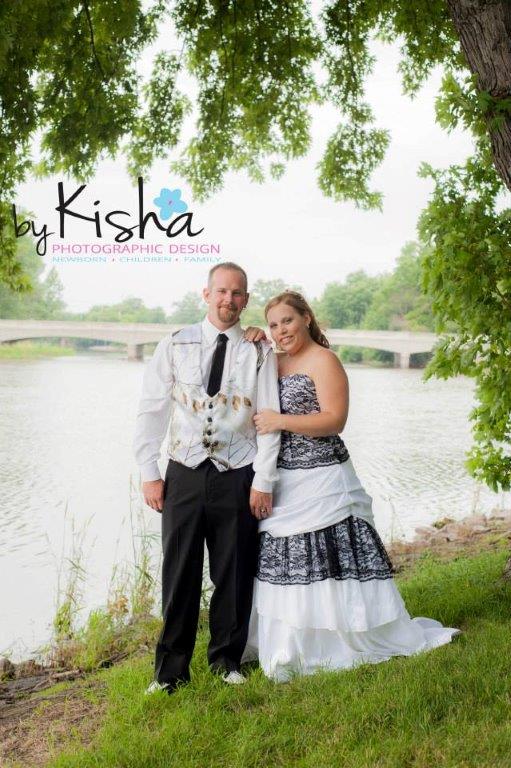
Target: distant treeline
point(390, 301)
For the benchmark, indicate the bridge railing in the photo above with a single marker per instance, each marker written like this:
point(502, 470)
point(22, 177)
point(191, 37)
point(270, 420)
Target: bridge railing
point(136, 335)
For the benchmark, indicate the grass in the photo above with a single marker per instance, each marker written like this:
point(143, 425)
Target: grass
point(28, 350)
point(445, 708)
point(126, 623)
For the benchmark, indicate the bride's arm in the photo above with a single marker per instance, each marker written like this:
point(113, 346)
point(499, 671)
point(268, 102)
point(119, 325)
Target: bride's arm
point(333, 396)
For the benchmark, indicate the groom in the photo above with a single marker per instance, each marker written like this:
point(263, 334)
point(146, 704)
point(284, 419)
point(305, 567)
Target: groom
point(207, 382)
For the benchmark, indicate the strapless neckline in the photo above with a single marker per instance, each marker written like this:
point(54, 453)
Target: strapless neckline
point(290, 375)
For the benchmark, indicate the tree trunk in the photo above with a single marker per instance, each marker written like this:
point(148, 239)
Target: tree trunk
point(484, 28)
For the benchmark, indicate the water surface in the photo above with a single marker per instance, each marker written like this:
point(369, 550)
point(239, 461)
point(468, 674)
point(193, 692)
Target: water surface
point(66, 427)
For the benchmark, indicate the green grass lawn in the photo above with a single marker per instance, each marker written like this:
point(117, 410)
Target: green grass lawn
point(448, 707)
point(24, 350)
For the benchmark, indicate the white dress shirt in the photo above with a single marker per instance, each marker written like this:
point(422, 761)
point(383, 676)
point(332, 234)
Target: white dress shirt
point(154, 409)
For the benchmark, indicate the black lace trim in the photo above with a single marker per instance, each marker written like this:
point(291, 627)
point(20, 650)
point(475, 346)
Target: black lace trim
point(302, 452)
point(298, 397)
point(351, 549)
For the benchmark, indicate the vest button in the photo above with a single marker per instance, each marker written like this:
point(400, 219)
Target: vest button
point(210, 405)
point(210, 418)
point(205, 443)
point(208, 432)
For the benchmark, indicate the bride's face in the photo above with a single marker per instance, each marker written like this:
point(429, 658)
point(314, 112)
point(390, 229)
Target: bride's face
point(288, 328)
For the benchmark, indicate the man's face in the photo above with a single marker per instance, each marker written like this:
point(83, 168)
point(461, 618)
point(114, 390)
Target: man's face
point(226, 297)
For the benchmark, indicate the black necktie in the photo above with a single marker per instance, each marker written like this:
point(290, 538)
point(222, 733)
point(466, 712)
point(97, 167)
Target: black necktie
point(217, 366)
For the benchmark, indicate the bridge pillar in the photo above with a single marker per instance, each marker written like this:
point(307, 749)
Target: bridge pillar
point(401, 359)
point(135, 351)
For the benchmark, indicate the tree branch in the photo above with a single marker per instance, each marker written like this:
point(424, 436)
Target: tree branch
point(505, 299)
point(484, 29)
point(93, 46)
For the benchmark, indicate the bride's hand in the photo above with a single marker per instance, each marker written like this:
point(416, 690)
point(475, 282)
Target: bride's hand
point(267, 421)
point(253, 333)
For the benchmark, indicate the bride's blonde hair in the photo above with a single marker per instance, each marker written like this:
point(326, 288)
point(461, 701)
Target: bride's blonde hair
point(296, 300)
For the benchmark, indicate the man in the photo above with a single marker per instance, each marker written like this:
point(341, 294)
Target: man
point(208, 381)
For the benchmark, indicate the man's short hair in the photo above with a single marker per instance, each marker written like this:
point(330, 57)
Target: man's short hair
point(228, 265)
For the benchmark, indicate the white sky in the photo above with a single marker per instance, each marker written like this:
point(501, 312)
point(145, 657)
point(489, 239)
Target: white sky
point(284, 228)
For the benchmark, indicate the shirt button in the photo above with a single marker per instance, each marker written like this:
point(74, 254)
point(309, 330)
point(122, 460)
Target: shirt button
point(210, 405)
point(210, 419)
point(208, 432)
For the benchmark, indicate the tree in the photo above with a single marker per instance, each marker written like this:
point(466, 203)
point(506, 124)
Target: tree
point(466, 270)
point(484, 30)
point(260, 294)
point(44, 301)
point(130, 310)
point(253, 315)
point(264, 290)
point(393, 301)
point(344, 305)
point(190, 309)
point(399, 302)
point(252, 62)
point(67, 70)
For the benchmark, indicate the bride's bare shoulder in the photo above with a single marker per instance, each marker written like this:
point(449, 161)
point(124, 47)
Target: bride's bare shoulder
point(326, 360)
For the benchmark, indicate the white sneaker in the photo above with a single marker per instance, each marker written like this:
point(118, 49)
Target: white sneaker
point(155, 686)
point(234, 678)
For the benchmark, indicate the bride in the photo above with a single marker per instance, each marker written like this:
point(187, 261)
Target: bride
point(324, 596)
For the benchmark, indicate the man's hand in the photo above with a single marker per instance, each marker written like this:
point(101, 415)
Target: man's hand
point(152, 490)
point(253, 333)
point(260, 504)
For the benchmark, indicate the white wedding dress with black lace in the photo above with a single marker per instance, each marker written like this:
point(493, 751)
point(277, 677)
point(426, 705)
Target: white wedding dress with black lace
point(324, 595)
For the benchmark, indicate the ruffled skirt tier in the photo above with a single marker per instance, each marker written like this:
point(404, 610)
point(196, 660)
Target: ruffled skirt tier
point(324, 597)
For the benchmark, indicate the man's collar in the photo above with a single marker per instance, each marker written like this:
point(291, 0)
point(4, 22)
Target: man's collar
point(210, 332)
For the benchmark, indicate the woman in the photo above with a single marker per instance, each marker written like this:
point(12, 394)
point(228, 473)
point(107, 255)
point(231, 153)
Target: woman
point(324, 596)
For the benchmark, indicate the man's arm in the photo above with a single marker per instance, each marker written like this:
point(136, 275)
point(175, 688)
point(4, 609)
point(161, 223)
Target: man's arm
point(152, 421)
point(268, 446)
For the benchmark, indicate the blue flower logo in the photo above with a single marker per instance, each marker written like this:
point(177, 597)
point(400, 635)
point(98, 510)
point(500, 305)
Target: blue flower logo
point(170, 202)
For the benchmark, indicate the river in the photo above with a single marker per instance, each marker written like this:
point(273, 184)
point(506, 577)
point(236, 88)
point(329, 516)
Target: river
point(66, 427)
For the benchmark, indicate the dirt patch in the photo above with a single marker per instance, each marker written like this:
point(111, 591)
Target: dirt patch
point(33, 728)
point(39, 716)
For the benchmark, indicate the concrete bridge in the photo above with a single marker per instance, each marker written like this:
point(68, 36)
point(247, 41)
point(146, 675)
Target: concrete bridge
point(136, 335)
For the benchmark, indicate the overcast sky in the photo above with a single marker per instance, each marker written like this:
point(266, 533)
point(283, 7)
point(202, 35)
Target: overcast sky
point(284, 228)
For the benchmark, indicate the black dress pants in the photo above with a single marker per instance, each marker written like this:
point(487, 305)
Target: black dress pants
point(203, 504)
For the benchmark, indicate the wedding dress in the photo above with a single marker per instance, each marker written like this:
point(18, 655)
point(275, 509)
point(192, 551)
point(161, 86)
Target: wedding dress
point(324, 595)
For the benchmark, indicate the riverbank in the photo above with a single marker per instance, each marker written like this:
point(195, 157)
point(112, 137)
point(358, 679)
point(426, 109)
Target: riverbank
point(447, 539)
point(445, 708)
point(29, 350)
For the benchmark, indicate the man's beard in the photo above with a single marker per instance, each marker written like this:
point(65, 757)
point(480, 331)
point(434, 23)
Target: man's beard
point(230, 311)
